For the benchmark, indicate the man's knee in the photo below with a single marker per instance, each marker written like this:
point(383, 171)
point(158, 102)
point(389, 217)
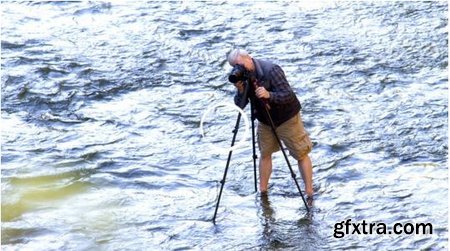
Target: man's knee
point(305, 162)
point(303, 158)
point(266, 156)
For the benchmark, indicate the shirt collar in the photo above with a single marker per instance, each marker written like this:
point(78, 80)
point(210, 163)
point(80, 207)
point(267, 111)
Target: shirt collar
point(258, 69)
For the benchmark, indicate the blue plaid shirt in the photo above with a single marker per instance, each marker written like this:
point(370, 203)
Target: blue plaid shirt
point(283, 101)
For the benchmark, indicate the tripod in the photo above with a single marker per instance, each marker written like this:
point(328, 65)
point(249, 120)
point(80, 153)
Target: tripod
point(249, 94)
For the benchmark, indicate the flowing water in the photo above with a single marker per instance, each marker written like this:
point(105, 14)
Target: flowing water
point(102, 103)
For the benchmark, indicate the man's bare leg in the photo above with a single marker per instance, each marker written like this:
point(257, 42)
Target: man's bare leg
point(305, 167)
point(265, 170)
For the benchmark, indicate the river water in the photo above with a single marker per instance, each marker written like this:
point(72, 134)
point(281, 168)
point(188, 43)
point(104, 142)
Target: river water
point(102, 103)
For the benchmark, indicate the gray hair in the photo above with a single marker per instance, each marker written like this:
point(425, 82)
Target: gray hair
point(234, 54)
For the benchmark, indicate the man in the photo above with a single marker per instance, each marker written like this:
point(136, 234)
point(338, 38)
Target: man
point(284, 109)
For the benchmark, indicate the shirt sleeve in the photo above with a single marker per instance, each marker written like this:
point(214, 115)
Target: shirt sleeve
point(238, 100)
point(281, 92)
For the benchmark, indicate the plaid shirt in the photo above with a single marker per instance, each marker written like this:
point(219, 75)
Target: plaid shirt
point(279, 88)
point(280, 91)
point(283, 102)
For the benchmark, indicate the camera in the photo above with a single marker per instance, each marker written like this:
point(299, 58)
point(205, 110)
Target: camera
point(238, 73)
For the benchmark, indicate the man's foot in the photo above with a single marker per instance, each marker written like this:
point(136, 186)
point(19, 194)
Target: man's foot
point(309, 192)
point(264, 193)
point(309, 200)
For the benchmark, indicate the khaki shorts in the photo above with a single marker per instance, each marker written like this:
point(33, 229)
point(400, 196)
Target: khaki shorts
point(291, 133)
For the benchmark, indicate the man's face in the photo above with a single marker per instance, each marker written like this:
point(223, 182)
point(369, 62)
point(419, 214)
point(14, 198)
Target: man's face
point(244, 62)
point(240, 60)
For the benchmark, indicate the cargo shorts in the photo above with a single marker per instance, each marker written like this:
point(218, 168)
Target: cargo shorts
point(291, 133)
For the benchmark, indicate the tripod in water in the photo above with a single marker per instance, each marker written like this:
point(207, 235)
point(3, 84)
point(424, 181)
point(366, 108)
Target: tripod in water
point(249, 91)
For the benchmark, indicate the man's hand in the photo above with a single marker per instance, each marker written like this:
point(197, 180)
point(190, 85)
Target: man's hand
point(240, 86)
point(261, 92)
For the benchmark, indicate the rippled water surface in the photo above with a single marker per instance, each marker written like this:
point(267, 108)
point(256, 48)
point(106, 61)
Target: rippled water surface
point(102, 102)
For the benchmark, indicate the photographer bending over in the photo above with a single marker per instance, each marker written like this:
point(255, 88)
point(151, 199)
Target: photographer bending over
point(285, 111)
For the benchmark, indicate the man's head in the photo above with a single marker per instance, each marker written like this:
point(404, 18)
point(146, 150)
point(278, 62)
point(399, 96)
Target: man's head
point(241, 57)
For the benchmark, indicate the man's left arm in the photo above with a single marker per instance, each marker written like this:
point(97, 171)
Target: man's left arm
point(281, 92)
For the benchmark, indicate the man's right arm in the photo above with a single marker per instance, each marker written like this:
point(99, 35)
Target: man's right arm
point(238, 98)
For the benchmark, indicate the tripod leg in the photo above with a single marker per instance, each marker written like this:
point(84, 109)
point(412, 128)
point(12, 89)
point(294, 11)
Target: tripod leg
point(235, 131)
point(222, 182)
point(254, 151)
point(286, 158)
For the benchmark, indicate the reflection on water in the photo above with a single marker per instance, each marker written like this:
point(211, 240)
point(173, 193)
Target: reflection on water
point(102, 102)
point(269, 233)
point(288, 230)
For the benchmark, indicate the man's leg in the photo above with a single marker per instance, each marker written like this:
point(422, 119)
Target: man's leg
point(305, 167)
point(265, 170)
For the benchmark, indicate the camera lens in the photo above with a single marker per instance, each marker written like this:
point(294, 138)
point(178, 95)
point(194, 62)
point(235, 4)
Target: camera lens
point(238, 73)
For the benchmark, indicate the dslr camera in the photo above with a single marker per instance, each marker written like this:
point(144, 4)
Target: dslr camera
point(238, 73)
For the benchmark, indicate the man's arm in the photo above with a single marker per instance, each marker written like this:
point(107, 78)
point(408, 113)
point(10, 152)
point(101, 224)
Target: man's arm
point(281, 92)
point(239, 95)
